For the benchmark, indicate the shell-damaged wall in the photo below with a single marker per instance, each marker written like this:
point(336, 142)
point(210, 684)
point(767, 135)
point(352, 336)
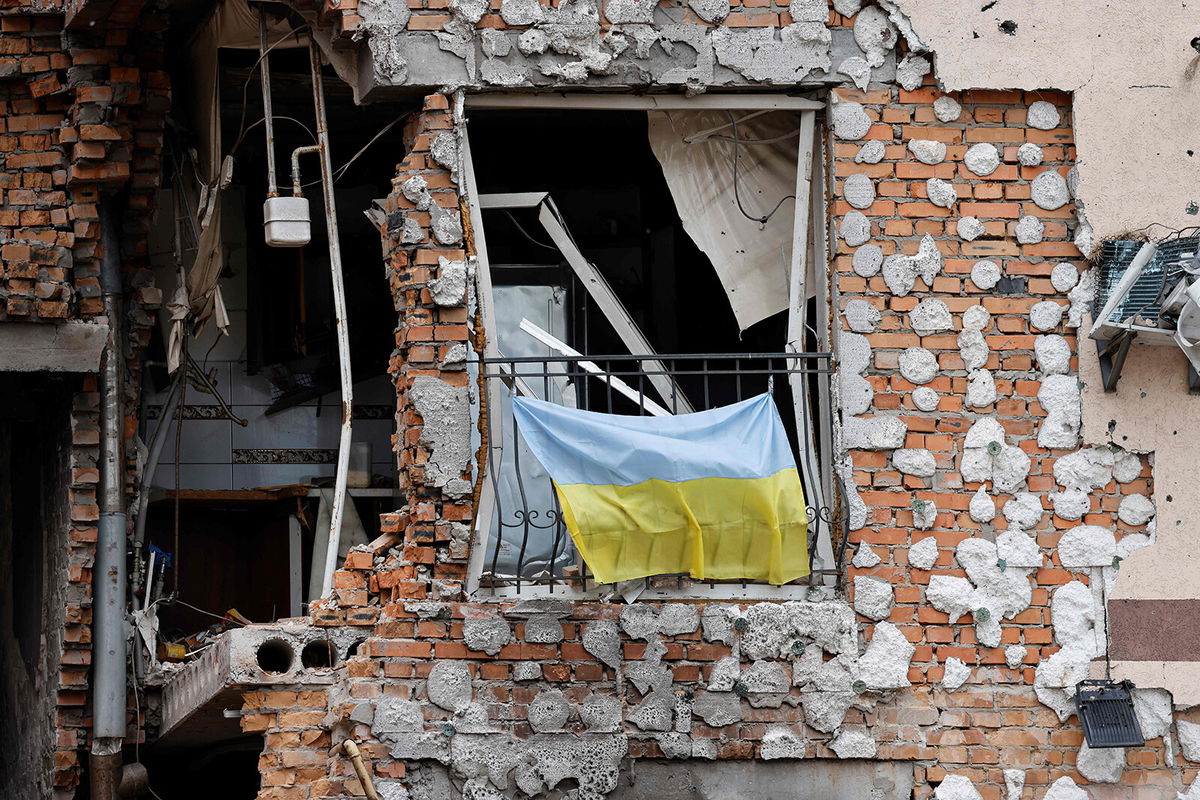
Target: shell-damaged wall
point(982, 528)
point(697, 45)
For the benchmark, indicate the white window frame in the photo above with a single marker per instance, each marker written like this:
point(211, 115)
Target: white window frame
point(810, 226)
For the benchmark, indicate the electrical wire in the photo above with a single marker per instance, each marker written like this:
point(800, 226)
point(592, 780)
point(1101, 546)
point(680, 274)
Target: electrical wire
point(340, 171)
point(512, 218)
point(283, 117)
point(781, 137)
point(737, 143)
point(137, 719)
point(202, 611)
point(242, 130)
point(337, 174)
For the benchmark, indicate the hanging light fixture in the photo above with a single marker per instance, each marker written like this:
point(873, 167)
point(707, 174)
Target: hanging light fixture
point(1106, 713)
point(1105, 706)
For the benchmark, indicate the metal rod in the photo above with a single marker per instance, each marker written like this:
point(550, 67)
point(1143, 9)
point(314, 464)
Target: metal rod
point(268, 116)
point(297, 191)
point(789, 354)
point(157, 440)
point(342, 330)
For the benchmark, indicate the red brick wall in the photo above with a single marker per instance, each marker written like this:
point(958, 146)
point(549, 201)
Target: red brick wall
point(81, 115)
point(994, 722)
point(1000, 724)
point(84, 119)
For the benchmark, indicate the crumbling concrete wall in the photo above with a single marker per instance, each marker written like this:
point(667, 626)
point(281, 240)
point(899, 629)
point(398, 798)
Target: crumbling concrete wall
point(522, 44)
point(962, 291)
point(1131, 76)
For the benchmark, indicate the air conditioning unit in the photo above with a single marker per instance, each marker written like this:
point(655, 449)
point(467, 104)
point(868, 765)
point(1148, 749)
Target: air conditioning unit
point(1141, 289)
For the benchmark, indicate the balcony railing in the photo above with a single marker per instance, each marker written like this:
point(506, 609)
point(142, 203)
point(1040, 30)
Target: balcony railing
point(526, 543)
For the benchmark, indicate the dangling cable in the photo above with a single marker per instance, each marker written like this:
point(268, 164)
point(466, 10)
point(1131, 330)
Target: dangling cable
point(1104, 610)
point(737, 143)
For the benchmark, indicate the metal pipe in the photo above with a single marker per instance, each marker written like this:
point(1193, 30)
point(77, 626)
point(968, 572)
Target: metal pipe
point(109, 579)
point(339, 312)
point(299, 151)
point(157, 440)
point(350, 748)
point(268, 116)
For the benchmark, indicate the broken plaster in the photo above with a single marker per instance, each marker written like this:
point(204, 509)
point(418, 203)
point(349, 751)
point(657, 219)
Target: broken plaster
point(1049, 190)
point(969, 228)
point(853, 744)
point(446, 431)
point(918, 365)
point(982, 158)
point(1060, 397)
point(955, 673)
point(875, 35)
point(956, 787)
point(987, 457)
point(867, 260)
point(855, 228)
point(941, 193)
point(923, 554)
point(929, 316)
point(982, 508)
point(925, 399)
point(870, 153)
point(927, 151)
point(873, 598)
point(985, 274)
point(900, 272)
point(861, 316)
point(1042, 115)
point(946, 109)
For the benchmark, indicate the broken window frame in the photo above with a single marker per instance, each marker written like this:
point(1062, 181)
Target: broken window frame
point(810, 227)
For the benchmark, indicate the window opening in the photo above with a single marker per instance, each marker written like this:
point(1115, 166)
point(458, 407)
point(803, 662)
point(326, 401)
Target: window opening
point(540, 207)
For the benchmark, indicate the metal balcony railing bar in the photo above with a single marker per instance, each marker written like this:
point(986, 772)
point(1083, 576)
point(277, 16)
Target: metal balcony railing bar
point(719, 378)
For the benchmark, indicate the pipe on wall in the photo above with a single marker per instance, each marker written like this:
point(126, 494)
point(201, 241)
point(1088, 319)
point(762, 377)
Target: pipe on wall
point(109, 578)
point(342, 329)
point(268, 114)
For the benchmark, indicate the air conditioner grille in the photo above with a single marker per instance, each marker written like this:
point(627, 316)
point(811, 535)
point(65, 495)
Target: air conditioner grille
point(1144, 298)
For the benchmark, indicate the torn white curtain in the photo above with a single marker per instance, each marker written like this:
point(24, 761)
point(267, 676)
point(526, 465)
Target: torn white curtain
point(751, 260)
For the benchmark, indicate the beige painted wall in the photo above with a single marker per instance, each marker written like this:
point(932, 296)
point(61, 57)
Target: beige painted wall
point(1136, 117)
point(1152, 411)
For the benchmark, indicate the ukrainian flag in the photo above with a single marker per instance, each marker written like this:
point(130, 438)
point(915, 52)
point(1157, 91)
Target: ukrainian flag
point(714, 494)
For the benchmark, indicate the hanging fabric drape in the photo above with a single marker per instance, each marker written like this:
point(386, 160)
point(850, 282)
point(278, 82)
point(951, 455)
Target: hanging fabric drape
point(751, 259)
point(714, 494)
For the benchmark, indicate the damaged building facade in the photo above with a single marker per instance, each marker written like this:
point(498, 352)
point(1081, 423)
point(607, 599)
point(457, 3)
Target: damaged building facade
point(267, 526)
